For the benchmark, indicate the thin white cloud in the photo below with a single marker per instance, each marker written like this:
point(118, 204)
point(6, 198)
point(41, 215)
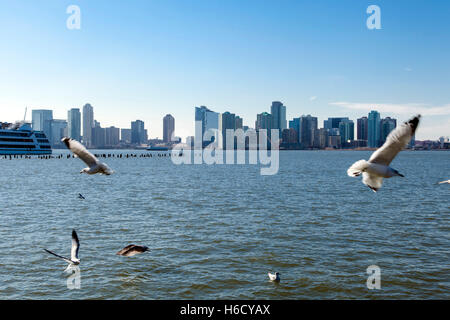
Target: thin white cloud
point(312, 98)
point(400, 109)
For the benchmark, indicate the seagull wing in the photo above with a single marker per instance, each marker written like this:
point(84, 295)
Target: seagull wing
point(372, 181)
point(122, 251)
point(75, 246)
point(65, 259)
point(395, 142)
point(447, 181)
point(82, 153)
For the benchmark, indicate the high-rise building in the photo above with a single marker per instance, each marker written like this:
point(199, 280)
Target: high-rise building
point(308, 125)
point(74, 124)
point(264, 121)
point(112, 136)
point(227, 121)
point(239, 123)
point(58, 132)
point(320, 138)
point(125, 135)
point(333, 123)
point(138, 133)
point(295, 124)
point(386, 126)
point(362, 126)
point(168, 128)
point(289, 136)
point(209, 122)
point(373, 129)
point(98, 136)
point(347, 131)
point(88, 124)
point(42, 121)
point(278, 111)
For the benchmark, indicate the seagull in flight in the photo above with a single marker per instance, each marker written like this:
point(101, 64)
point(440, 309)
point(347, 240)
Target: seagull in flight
point(447, 181)
point(377, 168)
point(74, 260)
point(274, 276)
point(131, 250)
point(81, 152)
point(80, 196)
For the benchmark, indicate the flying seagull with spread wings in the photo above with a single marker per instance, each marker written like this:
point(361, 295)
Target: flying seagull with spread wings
point(446, 181)
point(74, 260)
point(132, 250)
point(377, 168)
point(95, 166)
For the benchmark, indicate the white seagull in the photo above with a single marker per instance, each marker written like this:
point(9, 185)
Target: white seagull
point(377, 168)
point(74, 260)
point(274, 276)
point(447, 181)
point(95, 166)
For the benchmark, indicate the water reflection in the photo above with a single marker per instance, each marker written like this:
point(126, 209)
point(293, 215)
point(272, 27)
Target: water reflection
point(74, 280)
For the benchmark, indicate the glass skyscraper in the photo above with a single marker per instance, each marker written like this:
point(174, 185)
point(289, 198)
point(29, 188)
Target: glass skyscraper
point(209, 122)
point(373, 129)
point(74, 124)
point(42, 121)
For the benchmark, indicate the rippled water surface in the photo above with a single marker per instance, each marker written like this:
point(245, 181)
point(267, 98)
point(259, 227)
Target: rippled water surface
point(215, 231)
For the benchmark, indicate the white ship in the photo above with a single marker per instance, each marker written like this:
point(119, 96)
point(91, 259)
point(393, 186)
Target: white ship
point(20, 139)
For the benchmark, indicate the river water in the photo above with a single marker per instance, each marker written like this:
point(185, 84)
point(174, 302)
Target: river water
point(214, 231)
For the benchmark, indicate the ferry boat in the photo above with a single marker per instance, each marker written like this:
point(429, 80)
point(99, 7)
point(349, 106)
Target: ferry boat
point(20, 139)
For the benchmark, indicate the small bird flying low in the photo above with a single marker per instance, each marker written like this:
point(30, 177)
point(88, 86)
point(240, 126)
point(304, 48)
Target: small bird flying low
point(377, 168)
point(74, 260)
point(274, 276)
point(80, 196)
point(446, 181)
point(131, 250)
point(95, 166)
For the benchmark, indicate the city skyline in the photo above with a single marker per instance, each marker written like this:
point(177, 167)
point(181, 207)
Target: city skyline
point(142, 70)
point(303, 132)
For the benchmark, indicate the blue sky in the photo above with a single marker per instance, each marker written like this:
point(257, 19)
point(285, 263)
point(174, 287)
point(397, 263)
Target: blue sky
point(143, 59)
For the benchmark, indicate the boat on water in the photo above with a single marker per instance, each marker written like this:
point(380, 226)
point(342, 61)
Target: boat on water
point(156, 148)
point(20, 139)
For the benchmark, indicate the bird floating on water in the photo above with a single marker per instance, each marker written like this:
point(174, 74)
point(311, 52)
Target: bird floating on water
point(274, 276)
point(132, 250)
point(74, 260)
point(95, 166)
point(377, 168)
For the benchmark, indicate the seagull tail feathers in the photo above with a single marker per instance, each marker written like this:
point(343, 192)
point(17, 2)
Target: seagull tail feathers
point(357, 168)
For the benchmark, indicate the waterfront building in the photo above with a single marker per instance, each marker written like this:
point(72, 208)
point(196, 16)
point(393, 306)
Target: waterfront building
point(138, 132)
point(74, 124)
point(88, 124)
point(59, 131)
point(227, 121)
point(362, 128)
point(386, 126)
point(168, 128)
point(373, 129)
point(209, 121)
point(42, 121)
